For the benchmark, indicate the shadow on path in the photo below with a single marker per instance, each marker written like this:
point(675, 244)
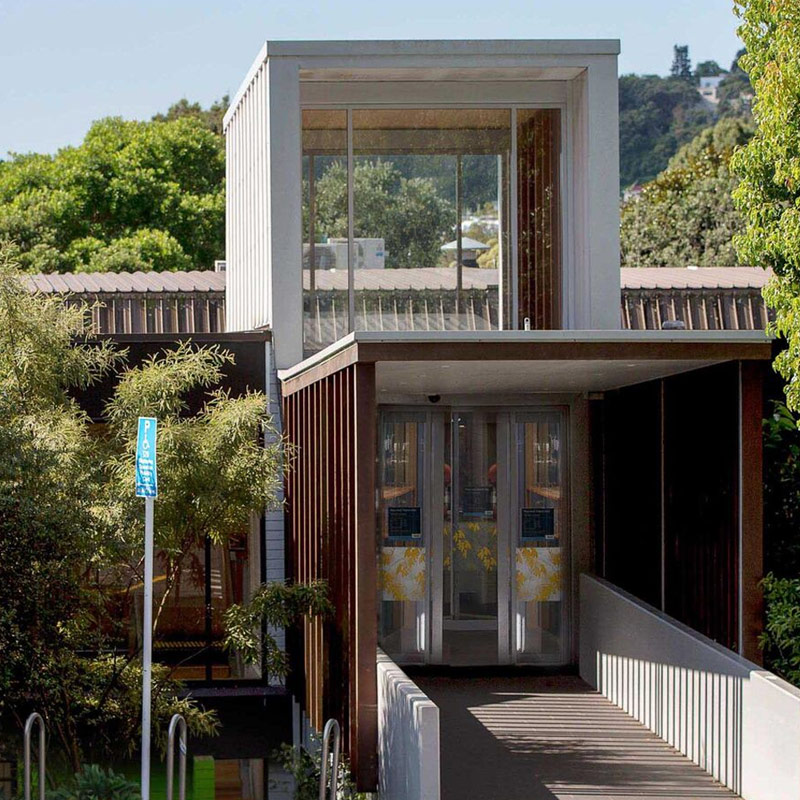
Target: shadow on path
point(539, 738)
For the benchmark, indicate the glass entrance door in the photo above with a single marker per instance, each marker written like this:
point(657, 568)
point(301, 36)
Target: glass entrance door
point(540, 539)
point(469, 569)
point(473, 526)
point(403, 534)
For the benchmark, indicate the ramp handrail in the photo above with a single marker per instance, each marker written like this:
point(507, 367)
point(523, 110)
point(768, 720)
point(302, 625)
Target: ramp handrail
point(177, 722)
point(331, 726)
point(29, 723)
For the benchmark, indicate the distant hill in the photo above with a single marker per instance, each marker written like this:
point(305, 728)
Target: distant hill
point(658, 115)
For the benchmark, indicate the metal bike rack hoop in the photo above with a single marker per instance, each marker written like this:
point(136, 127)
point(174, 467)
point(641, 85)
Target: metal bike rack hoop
point(175, 723)
point(331, 727)
point(29, 723)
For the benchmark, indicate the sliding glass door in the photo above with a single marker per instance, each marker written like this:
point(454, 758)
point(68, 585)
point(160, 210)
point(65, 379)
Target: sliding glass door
point(540, 537)
point(473, 526)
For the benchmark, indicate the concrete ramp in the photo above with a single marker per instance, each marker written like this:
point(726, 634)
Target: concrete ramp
point(542, 738)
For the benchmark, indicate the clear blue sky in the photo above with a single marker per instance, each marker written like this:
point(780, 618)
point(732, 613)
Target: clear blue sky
point(64, 63)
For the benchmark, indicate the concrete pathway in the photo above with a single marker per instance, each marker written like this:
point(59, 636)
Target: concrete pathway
point(540, 738)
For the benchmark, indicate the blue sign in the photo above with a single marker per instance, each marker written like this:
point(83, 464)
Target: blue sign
point(146, 478)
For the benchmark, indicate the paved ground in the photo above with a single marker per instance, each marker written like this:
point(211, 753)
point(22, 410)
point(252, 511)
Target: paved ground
point(540, 738)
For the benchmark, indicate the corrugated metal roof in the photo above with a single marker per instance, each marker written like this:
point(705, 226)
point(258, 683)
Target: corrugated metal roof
point(694, 277)
point(128, 282)
point(423, 278)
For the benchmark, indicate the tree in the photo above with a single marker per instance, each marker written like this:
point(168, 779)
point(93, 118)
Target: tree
point(211, 117)
point(780, 639)
point(681, 65)
point(71, 530)
point(133, 195)
point(734, 91)
point(50, 534)
point(656, 116)
point(408, 213)
point(768, 194)
point(687, 215)
point(768, 197)
point(708, 69)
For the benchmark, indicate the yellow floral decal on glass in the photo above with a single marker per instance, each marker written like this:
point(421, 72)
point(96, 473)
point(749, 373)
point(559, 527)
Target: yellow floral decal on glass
point(402, 573)
point(538, 574)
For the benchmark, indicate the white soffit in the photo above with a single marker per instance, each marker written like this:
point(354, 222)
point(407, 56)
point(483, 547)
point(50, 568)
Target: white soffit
point(521, 377)
point(402, 75)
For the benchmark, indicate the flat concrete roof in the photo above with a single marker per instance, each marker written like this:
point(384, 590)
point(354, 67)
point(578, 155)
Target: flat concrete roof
point(525, 361)
point(440, 47)
point(468, 54)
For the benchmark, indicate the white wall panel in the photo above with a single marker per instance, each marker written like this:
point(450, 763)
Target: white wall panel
point(246, 222)
point(408, 737)
point(734, 719)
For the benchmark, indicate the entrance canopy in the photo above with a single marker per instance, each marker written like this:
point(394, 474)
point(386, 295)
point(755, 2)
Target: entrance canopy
point(511, 362)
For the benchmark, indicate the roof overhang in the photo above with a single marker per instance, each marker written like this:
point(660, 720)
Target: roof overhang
point(529, 362)
point(430, 59)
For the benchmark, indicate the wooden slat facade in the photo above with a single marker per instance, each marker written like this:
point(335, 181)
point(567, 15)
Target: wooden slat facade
point(678, 528)
point(330, 426)
point(539, 222)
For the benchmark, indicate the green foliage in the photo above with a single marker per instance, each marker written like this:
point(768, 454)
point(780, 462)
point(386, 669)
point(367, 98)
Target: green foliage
point(768, 194)
point(216, 470)
point(53, 532)
point(408, 213)
point(274, 605)
point(70, 525)
point(782, 493)
point(95, 783)
point(211, 117)
point(781, 637)
point(734, 90)
point(687, 214)
point(133, 195)
point(681, 64)
point(304, 767)
point(656, 116)
point(708, 69)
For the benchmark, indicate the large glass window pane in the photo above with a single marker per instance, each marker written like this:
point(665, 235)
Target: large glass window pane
point(541, 535)
point(402, 547)
point(325, 223)
point(430, 218)
point(539, 218)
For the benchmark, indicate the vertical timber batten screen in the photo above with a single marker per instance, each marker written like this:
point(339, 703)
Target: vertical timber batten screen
point(330, 504)
point(538, 212)
point(682, 528)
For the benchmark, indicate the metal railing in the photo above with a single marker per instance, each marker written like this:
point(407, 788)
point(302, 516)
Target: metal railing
point(177, 722)
point(29, 723)
point(331, 727)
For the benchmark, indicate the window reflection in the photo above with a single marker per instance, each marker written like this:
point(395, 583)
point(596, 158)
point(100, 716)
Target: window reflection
point(430, 221)
point(402, 550)
point(190, 598)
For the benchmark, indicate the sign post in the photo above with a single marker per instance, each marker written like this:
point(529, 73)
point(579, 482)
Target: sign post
point(147, 487)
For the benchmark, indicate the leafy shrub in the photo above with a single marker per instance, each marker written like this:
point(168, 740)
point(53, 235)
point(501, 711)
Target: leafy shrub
point(304, 767)
point(95, 783)
point(781, 637)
